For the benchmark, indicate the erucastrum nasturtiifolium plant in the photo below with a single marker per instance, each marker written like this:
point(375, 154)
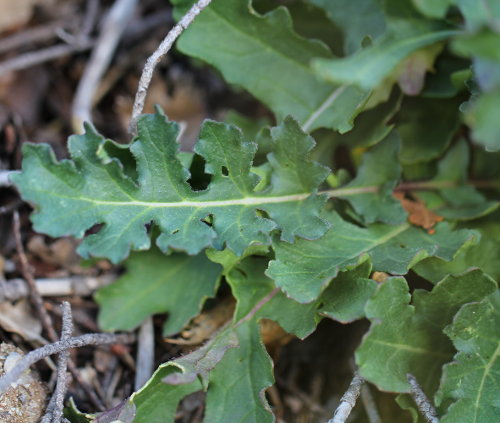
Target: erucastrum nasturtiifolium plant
point(410, 92)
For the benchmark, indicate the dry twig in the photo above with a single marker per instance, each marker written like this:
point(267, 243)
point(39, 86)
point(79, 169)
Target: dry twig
point(5, 175)
point(145, 353)
point(62, 365)
point(369, 405)
point(56, 347)
point(80, 42)
point(423, 403)
point(113, 26)
point(15, 289)
point(348, 400)
point(36, 34)
point(154, 59)
point(55, 407)
point(42, 312)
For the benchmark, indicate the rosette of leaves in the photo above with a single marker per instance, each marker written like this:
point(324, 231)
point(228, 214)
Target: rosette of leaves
point(394, 97)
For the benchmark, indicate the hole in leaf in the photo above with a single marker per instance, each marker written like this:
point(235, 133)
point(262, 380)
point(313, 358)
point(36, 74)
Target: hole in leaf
point(208, 220)
point(94, 229)
point(263, 214)
point(225, 171)
point(174, 232)
point(199, 180)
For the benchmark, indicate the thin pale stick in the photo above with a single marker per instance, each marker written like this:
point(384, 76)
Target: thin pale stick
point(56, 347)
point(348, 400)
point(44, 315)
point(154, 59)
point(145, 353)
point(113, 26)
point(423, 403)
point(62, 365)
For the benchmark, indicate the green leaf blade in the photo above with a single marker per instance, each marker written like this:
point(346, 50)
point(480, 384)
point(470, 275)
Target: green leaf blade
point(473, 378)
point(368, 67)
point(228, 212)
point(265, 56)
point(304, 269)
point(237, 384)
point(155, 283)
point(408, 338)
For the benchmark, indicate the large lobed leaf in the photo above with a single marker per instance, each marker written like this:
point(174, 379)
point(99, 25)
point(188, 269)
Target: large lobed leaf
point(73, 196)
point(305, 268)
point(406, 338)
point(473, 378)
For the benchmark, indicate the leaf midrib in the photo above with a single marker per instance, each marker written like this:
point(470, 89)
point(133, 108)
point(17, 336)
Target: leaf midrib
point(245, 201)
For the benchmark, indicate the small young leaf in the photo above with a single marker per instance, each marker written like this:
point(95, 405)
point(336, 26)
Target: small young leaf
point(461, 200)
point(408, 338)
point(305, 268)
point(379, 167)
point(473, 378)
point(155, 283)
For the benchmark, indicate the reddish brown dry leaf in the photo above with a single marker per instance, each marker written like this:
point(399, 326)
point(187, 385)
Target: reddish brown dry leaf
point(418, 213)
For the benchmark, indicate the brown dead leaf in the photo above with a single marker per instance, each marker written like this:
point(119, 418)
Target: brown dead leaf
point(208, 322)
point(273, 336)
point(418, 213)
point(379, 277)
point(203, 326)
point(19, 318)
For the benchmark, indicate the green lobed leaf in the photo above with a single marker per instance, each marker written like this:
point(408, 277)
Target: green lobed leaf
point(358, 20)
point(460, 200)
point(424, 137)
point(485, 255)
point(237, 384)
point(154, 283)
point(379, 167)
point(157, 400)
point(406, 338)
point(472, 380)
point(477, 17)
point(481, 116)
point(345, 297)
point(250, 286)
point(264, 55)
point(72, 196)
point(367, 68)
point(304, 269)
point(433, 8)
point(372, 125)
